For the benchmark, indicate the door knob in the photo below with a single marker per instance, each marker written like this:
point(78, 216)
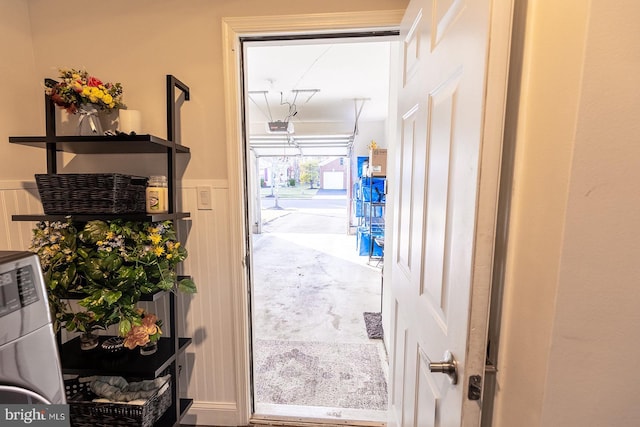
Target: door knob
point(448, 366)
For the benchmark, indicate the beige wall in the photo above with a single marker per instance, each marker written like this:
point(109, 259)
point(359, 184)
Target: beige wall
point(138, 43)
point(21, 111)
point(571, 292)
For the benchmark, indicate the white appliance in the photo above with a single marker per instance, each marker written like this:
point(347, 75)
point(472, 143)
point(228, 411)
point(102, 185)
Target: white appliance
point(29, 362)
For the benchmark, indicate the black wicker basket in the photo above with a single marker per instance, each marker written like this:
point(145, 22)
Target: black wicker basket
point(86, 413)
point(92, 193)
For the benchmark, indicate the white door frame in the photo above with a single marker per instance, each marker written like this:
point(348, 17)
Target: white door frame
point(232, 30)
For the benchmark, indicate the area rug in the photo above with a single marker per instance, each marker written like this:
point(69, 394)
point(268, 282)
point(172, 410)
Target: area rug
point(319, 374)
point(373, 323)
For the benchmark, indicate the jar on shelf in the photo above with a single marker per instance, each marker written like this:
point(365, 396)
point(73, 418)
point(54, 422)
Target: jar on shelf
point(157, 194)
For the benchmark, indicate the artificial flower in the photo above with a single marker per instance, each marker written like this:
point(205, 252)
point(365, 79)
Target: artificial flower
point(77, 87)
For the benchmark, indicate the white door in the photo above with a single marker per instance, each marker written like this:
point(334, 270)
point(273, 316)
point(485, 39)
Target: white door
point(450, 120)
point(333, 180)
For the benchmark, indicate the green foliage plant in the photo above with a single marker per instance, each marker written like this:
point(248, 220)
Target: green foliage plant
point(108, 265)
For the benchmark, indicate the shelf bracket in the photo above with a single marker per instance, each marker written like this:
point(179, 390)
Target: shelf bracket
point(172, 84)
point(50, 120)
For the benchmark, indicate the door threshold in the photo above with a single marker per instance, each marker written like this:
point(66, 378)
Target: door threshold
point(320, 416)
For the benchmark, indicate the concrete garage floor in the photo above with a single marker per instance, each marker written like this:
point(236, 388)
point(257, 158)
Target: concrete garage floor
point(310, 287)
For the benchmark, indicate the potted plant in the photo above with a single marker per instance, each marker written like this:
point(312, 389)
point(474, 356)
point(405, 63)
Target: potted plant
point(108, 265)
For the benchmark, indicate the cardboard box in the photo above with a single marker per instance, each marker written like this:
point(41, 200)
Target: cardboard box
point(378, 162)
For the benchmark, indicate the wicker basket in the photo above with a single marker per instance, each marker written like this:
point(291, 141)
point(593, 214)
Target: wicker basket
point(86, 413)
point(92, 193)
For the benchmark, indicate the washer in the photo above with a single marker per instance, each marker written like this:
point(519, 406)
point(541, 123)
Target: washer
point(29, 361)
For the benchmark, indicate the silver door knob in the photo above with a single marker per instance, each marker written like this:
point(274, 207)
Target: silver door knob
point(448, 366)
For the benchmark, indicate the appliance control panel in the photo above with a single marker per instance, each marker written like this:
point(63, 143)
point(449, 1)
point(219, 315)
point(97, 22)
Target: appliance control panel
point(24, 307)
point(17, 289)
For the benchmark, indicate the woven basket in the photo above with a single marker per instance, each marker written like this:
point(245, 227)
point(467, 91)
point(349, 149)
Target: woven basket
point(85, 413)
point(92, 193)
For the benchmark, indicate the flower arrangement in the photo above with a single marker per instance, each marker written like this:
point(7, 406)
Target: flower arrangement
point(109, 265)
point(78, 87)
point(148, 330)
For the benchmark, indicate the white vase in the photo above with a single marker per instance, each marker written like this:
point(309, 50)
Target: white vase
point(109, 120)
point(88, 120)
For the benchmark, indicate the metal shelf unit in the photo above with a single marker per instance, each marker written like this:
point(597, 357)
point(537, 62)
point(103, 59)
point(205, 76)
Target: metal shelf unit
point(166, 358)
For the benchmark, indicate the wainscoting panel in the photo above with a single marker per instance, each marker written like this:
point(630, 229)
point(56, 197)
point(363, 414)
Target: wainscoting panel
point(209, 364)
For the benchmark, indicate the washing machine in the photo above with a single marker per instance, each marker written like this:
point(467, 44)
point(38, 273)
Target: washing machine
point(29, 362)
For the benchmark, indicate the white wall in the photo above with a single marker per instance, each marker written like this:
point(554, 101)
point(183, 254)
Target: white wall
point(572, 292)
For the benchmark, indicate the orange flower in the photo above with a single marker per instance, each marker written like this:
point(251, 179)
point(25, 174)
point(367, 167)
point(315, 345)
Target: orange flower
point(136, 337)
point(140, 335)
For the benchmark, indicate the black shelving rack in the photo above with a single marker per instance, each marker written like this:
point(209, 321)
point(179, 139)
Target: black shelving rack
point(169, 349)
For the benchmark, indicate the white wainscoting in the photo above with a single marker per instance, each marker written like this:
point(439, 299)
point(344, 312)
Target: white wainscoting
point(208, 365)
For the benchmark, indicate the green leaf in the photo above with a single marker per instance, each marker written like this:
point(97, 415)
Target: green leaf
point(70, 326)
point(165, 284)
point(111, 297)
point(95, 230)
point(68, 276)
point(187, 286)
point(92, 268)
point(112, 262)
point(124, 327)
point(82, 253)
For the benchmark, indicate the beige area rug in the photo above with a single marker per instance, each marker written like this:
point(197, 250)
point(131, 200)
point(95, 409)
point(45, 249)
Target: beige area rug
point(319, 374)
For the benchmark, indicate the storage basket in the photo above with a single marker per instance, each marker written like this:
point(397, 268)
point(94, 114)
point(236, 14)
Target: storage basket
point(92, 193)
point(86, 413)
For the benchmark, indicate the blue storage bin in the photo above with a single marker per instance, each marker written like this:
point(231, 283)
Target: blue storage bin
point(372, 189)
point(364, 243)
point(357, 194)
point(361, 161)
point(358, 207)
point(374, 211)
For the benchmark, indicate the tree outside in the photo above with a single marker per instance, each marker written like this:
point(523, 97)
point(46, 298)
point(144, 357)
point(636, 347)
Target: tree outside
point(309, 172)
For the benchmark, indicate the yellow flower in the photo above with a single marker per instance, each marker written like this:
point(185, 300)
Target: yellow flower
point(110, 235)
point(108, 99)
point(169, 256)
point(155, 238)
point(158, 250)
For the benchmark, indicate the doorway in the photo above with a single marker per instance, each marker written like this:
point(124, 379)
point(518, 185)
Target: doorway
point(311, 285)
point(233, 30)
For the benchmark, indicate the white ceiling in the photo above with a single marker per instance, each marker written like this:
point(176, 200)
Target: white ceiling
point(336, 80)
